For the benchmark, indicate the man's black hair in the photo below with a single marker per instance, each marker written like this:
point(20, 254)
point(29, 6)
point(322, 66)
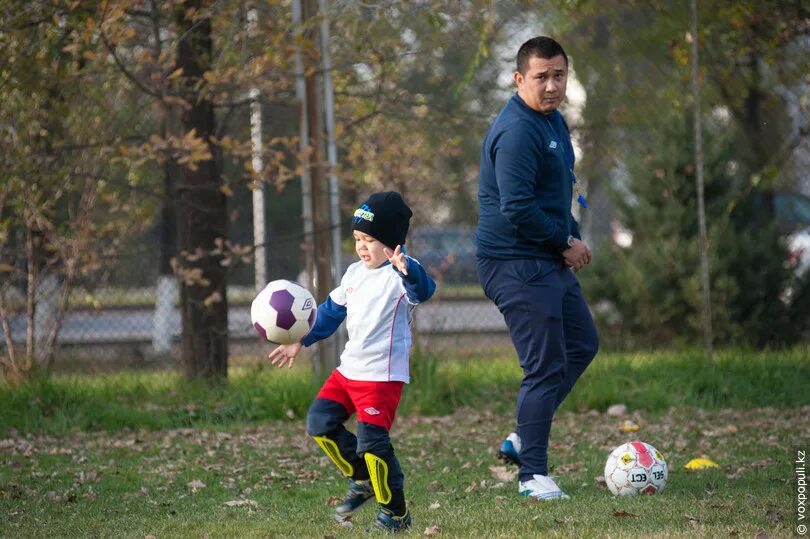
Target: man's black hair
point(541, 47)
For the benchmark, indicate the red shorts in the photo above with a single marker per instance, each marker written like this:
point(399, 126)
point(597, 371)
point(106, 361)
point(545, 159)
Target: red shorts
point(374, 402)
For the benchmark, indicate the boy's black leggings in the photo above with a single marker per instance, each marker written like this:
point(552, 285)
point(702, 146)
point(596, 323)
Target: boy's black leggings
point(326, 418)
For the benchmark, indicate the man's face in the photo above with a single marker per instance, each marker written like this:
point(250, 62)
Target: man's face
point(542, 87)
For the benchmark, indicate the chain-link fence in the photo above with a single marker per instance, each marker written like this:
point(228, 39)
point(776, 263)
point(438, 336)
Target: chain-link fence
point(131, 316)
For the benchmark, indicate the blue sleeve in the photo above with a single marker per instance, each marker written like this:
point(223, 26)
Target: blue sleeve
point(575, 228)
point(329, 317)
point(418, 284)
point(516, 175)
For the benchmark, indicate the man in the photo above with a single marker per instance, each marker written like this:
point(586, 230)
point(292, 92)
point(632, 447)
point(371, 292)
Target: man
point(528, 250)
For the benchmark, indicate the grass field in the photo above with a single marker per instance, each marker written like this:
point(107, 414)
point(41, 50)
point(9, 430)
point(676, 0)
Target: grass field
point(137, 455)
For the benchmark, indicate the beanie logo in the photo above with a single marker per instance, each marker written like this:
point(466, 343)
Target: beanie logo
point(363, 213)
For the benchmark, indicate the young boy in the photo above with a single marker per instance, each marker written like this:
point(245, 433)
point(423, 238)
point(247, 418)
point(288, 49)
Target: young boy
point(376, 297)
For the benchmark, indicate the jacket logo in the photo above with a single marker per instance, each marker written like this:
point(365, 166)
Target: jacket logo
point(551, 145)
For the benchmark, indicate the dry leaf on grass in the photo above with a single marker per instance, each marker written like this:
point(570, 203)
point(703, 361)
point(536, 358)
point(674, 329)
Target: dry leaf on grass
point(773, 516)
point(432, 531)
point(195, 485)
point(624, 514)
point(502, 473)
point(616, 410)
point(434, 505)
point(241, 503)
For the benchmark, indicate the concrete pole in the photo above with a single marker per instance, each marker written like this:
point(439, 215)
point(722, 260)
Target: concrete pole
point(303, 144)
point(259, 233)
point(704, 242)
point(331, 149)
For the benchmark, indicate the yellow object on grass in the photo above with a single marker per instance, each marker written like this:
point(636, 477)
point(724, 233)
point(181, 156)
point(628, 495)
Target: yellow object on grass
point(701, 464)
point(629, 426)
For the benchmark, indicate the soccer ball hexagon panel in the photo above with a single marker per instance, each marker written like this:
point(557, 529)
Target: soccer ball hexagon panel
point(283, 312)
point(636, 468)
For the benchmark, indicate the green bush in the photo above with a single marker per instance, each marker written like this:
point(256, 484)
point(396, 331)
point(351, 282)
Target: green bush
point(654, 286)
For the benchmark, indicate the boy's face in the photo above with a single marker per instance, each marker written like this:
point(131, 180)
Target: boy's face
point(370, 250)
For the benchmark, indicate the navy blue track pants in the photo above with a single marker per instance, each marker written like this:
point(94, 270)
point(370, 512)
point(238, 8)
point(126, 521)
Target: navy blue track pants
point(555, 339)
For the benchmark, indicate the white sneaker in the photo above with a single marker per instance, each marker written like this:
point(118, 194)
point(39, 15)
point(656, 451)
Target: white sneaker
point(541, 487)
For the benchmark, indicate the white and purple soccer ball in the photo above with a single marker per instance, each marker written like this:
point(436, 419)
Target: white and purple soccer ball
point(283, 312)
point(636, 468)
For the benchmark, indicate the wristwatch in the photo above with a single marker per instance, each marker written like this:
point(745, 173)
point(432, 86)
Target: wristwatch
point(570, 241)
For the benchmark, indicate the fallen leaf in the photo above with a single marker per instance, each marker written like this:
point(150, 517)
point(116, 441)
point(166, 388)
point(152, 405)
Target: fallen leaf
point(241, 503)
point(344, 522)
point(431, 531)
point(332, 500)
point(502, 473)
point(624, 514)
point(773, 515)
point(616, 410)
point(434, 505)
point(761, 534)
point(600, 481)
point(195, 485)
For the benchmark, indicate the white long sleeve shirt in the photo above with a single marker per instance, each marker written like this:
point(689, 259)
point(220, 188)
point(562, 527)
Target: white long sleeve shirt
point(378, 307)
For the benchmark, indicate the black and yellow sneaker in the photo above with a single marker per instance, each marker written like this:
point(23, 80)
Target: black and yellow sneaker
point(386, 520)
point(359, 493)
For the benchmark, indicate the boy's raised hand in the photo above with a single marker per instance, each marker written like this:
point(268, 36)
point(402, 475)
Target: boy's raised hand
point(397, 259)
point(285, 354)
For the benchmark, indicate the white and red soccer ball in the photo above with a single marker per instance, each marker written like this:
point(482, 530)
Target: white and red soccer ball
point(636, 468)
point(283, 312)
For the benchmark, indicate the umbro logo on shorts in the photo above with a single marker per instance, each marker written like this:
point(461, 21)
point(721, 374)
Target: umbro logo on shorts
point(372, 411)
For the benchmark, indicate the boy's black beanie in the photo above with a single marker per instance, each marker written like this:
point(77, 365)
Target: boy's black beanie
point(385, 216)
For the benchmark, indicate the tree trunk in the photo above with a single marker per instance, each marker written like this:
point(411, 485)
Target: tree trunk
point(201, 213)
point(327, 354)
